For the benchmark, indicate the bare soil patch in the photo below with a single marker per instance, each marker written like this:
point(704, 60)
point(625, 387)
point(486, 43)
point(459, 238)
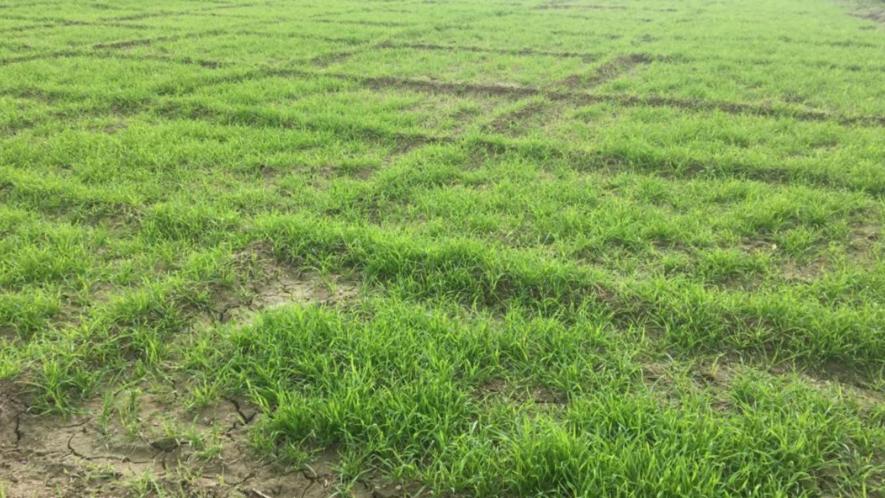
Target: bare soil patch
point(668, 380)
point(138, 444)
point(615, 68)
point(864, 237)
point(134, 452)
point(806, 273)
point(496, 389)
point(523, 120)
point(268, 283)
point(326, 60)
point(874, 14)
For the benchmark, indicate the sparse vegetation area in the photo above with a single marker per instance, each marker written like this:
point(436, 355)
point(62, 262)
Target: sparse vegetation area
point(442, 248)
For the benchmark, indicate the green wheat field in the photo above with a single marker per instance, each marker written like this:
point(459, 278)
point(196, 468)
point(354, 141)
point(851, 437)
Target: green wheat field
point(386, 248)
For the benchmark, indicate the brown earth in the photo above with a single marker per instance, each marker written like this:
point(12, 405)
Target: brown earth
point(115, 453)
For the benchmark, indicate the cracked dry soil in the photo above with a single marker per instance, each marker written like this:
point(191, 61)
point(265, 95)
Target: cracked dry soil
point(96, 455)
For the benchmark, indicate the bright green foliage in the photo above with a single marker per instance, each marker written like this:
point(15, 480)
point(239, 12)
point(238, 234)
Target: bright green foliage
point(619, 248)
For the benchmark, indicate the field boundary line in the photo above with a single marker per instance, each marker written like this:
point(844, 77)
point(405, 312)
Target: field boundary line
point(481, 89)
point(111, 21)
point(587, 56)
point(613, 69)
point(622, 8)
point(595, 56)
point(166, 13)
point(579, 98)
point(576, 159)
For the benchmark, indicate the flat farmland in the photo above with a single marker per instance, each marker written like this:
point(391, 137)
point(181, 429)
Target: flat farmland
point(561, 248)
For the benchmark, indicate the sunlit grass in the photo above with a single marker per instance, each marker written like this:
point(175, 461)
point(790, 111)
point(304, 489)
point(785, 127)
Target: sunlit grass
point(567, 249)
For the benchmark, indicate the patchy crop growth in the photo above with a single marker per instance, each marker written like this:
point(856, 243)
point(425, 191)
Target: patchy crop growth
point(442, 248)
